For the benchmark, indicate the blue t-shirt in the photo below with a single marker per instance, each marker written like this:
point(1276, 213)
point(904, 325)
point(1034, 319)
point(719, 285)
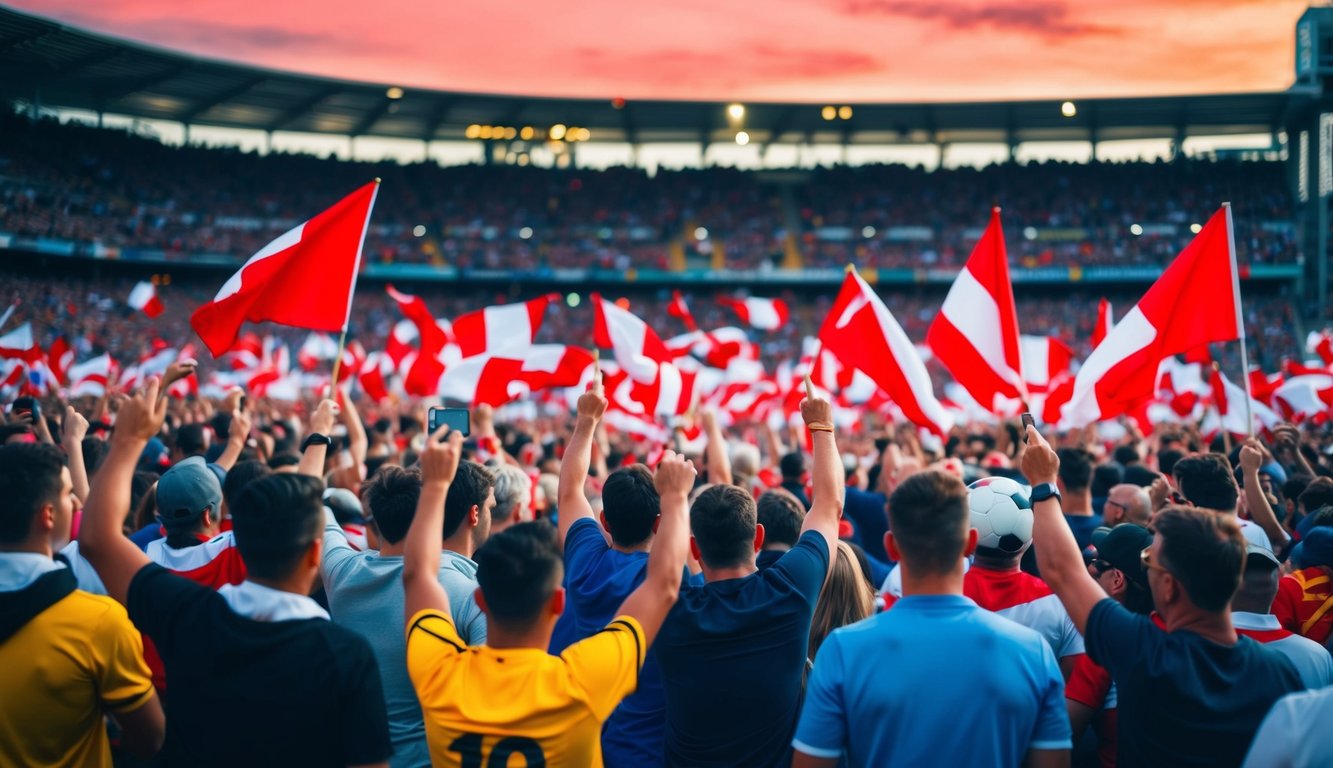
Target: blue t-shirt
point(732, 654)
point(597, 581)
point(950, 684)
point(1183, 699)
point(869, 513)
point(1083, 526)
point(147, 535)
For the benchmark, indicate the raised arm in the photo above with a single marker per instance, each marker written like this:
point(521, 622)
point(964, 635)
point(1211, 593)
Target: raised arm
point(357, 442)
point(1061, 560)
point(1251, 459)
point(578, 454)
point(421, 549)
point(828, 475)
point(101, 541)
point(73, 431)
point(321, 423)
point(719, 463)
point(237, 434)
point(650, 602)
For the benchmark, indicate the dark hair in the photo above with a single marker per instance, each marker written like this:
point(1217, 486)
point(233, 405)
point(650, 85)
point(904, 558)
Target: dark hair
point(190, 439)
point(1318, 493)
point(1124, 455)
point(792, 465)
point(1320, 518)
point(94, 453)
point(275, 520)
point(1204, 551)
point(1167, 459)
point(1075, 468)
point(140, 485)
point(723, 520)
point(1104, 476)
point(239, 476)
point(631, 505)
point(1137, 474)
point(1206, 481)
point(470, 487)
point(929, 519)
point(781, 514)
point(1295, 486)
point(29, 480)
point(518, 570)
point(390, 500)
point(284, 459)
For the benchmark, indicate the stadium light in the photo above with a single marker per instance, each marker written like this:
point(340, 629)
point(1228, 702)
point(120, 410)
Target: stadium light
point(1135, 229)
point(473, 131)
point(1029, 233)
point(525, 233)
point(1196, 227)
point(419, 231)
point(742, 138)
point(585, 134)
point(527, 133)
point(845, 113)
point(558, 131)
point(394, 92)
point(1068, 109)
point(828, 113)
point(700, 233)
point(484, 132)
point(736, 112)
point(572, 299)
point(867, 231)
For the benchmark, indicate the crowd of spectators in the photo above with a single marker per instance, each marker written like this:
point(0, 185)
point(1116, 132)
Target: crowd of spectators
point(123, 191)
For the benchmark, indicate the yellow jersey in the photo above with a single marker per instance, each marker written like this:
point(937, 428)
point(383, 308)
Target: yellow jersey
point(484, 706)
point(58, 674)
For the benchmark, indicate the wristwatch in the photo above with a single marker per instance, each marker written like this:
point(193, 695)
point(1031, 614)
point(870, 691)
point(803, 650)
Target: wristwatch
point(1044, 491)
point(315, 438)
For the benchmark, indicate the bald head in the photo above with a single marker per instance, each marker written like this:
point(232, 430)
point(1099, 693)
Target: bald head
point(1127, 503)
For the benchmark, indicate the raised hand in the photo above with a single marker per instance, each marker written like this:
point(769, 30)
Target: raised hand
point(1040, 463)
point(76, 426)
point(177, 371)
point(591, 405)
point(439, 457)
point(240, 425)
point(324, 417)
point(816, 411)
point(674, 475)
point(141, 415)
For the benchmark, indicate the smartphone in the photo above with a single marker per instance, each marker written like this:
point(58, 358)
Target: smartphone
point(457, 419)
point(1028, 421)
point(27, 405)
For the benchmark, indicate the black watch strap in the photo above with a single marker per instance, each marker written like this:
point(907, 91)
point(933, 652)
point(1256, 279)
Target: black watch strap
point(315, 438)
point(1044, 491)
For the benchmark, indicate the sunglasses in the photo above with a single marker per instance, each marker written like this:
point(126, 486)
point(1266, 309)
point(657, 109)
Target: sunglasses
point(1100, 566)
point(1145, 557)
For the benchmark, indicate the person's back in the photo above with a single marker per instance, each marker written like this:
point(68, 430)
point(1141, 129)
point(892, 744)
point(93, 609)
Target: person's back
point(937, 680)
point(1251, 617)
point(365, 593)
point(1295, 734)
point(66, 657)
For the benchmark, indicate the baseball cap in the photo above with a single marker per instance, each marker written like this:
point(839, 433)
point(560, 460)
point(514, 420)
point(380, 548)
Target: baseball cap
point(185, 490)
point(344, 505)
point(1263, 554)
point(1121, 547)
point(1315, 549)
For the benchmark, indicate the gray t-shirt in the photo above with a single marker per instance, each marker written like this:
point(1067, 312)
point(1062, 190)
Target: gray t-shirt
point(365, 592)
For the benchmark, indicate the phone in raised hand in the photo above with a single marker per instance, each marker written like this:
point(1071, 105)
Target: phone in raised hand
point(457, 419)
point(1028, 421)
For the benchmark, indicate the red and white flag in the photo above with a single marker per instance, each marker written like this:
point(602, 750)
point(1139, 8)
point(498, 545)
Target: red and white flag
point(678, 308)
point(864, 335)
point(763, 314)
point(672, 393)
point(317, 349)
point(1305, 397)
point(1321, 344)
point(975, 335)
point(304, 279)
point(19, 344)
point(1194, 302)
point(91, 377)
point(1104, 322)
point(636, 347)
point(1044, 359)
point(431, 333)
point(145, 299)
point(495, 380)
point(1229, 410)
point(373, 376)
point(59, 358)
point(507, 328)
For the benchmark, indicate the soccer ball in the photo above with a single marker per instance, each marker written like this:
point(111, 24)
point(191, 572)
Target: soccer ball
point(1001, 513)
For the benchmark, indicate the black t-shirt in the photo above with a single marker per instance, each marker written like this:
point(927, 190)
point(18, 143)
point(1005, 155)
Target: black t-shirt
point(732, 654)
point(1183, 699)
point(255, 693)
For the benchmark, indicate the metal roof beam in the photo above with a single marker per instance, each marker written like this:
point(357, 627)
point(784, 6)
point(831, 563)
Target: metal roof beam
point(83, 62)
point(437, 118)
point(205, 105)
point(372, 117)
point(629, 125)
point(138, 84)
point(303, 107)
point(31, 37)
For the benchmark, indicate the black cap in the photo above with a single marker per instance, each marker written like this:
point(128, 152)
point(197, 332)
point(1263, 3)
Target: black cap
point(1121, 547)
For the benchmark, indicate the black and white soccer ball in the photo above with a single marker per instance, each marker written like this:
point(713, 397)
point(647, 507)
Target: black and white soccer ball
point(1001, 513)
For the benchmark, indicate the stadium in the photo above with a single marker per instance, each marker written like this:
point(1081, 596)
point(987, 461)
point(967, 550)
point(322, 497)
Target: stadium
point(732, 279)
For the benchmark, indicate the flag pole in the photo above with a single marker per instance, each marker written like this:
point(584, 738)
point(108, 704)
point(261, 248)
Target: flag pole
point(342, 338)
point(1240, 321)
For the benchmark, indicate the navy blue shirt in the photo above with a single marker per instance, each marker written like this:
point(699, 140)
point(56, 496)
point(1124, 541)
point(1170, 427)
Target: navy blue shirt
point(597, 581)
point(869, 513)
point(1183, 699)
point(1083, 526)
point(732, 654)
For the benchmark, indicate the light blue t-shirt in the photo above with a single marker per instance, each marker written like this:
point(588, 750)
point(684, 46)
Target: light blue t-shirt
point(942, 682)
point(365, 592)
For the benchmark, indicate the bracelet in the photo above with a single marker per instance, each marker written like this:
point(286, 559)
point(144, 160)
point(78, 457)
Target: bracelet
point(819, 427)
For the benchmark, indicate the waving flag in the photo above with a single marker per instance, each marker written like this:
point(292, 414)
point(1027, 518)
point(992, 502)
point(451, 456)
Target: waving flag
point(1104, 322)
point(145, 299)
point(304, 279)
point(864, 335)
point(501, 329)
point(763, 314)
point(495, 380)
point(678, 308)
point(636, 347)
point(1045, 358)
point(92, 377)
point(975, 335)
point(1194, 302)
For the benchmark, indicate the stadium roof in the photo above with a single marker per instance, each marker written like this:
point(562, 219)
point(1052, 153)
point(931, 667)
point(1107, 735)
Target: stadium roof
point(57, 66)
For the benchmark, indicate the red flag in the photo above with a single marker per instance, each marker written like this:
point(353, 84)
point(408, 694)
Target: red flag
point(304, 279)
point(1044, 359)
point(1194, 302)
point(1262, 386)
point(1104, 322)
point(507, 328)
point(975, 335)
point(764, 314)
point(678, 308)
point(637, 347)
point(496, 380)
point(19, 344)
point(672, 393)
point(371, 376)
point(863, 334)
point(59, 358)
point(145, 299)
point(431, 335)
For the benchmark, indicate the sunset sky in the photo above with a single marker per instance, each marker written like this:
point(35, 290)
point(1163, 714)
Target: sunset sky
point(780, 50)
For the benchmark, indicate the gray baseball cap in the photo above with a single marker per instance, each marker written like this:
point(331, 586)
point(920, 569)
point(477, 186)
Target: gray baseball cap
point(185, 491)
